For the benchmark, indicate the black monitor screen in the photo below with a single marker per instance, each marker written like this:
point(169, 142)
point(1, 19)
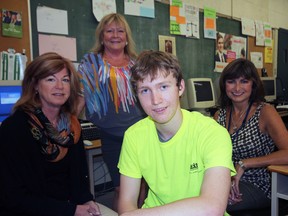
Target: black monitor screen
point(269, 87)
point(203, 91)
point(8, 97)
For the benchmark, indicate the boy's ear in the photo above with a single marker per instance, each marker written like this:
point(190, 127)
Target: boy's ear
point(181, 87)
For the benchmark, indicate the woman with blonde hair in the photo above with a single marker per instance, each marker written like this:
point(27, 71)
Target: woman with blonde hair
point(106, 92)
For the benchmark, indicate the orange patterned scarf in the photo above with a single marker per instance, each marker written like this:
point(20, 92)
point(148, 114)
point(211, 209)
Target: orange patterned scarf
point(54, 142)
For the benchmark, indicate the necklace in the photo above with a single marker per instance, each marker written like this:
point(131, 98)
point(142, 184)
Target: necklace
point(234, 125)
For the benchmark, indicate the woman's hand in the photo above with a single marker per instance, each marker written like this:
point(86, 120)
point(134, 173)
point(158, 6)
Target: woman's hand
point(88, 209)
point(235, 195)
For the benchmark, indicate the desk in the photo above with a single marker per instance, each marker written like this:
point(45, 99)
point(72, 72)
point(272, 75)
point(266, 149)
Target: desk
point(279, 186)
point(92, 151)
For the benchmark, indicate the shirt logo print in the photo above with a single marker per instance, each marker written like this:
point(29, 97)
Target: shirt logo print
point(193, 167)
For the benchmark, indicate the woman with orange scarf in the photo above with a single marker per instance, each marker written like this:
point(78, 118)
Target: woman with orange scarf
point(43, 169)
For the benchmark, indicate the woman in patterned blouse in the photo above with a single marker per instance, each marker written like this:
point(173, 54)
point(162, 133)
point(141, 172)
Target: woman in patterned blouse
point(259, 136)
point(106, 91)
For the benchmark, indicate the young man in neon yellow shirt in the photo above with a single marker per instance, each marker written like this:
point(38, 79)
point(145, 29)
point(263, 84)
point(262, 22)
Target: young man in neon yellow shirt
point(184, 156)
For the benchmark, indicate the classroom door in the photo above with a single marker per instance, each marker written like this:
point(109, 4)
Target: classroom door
point(282, 64)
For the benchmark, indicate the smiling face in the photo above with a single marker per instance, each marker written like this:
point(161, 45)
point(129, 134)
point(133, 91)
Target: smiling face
point(114, 37)
point(220, 45)
point(54, 90)
point(239, 89)
point(160, 98)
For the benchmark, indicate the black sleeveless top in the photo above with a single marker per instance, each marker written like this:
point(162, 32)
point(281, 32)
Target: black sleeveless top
point(249, 142)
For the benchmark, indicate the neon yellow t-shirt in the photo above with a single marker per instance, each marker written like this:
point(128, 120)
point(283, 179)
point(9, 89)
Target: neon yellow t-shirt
point(175, 169)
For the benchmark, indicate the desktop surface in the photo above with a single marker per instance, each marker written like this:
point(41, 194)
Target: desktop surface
point(282, 107)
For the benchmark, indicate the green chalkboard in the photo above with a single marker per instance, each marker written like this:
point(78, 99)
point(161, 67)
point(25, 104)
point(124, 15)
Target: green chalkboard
point(196, 56)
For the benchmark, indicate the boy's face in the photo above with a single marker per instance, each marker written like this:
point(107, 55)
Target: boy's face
point(160, 98)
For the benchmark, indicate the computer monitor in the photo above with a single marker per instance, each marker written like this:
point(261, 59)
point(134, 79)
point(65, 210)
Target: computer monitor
point(269, 84)
point(10, 92)
point(199, 94)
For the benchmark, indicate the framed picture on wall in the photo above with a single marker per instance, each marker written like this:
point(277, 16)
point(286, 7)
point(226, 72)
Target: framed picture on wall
point(167, 44)
point(11, 23)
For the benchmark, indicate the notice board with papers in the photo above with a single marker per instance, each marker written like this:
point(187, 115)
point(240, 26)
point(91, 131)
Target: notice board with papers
point(196, 56)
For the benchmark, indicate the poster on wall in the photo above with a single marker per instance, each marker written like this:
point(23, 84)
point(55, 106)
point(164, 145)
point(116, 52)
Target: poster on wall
point(248, 27)
point(184, 19)
point(103, 7)
point(209, 23)
point(228, 48)
point(268, 34)
point(257, 59)
point(144, 8)
point(192, 21)
point(12, 23)
point(260, 37)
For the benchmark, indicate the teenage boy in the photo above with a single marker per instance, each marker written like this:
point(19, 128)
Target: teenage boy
point(184, 156)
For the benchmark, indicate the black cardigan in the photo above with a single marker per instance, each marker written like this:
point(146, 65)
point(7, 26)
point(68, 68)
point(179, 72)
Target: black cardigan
point(29, 185)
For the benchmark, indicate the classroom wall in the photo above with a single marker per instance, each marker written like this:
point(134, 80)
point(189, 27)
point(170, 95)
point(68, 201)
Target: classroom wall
point(278, 16)
point(272, 11)
point(196, 56)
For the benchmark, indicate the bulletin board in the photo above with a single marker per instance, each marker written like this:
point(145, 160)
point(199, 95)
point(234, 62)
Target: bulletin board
point(253, 48)
point(12, 42)
point(196, 56)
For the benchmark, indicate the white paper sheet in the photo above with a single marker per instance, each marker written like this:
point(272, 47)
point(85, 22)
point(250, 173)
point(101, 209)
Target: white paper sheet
point(143, 8)
point(65, 46)
point(52, 20)
point(248, 27)
point(103, 7)
point(257, 59)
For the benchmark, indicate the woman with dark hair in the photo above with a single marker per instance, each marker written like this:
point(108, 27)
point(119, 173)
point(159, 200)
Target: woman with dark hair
point(259, 136)
point(43, 168)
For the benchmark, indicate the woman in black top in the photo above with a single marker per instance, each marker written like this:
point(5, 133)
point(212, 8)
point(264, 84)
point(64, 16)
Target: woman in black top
point(43, 169)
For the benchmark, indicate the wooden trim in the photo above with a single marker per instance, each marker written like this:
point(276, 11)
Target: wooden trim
point(282, 169)
point(96, 144)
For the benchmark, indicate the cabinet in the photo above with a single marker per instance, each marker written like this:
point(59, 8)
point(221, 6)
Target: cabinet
point(282, 65)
